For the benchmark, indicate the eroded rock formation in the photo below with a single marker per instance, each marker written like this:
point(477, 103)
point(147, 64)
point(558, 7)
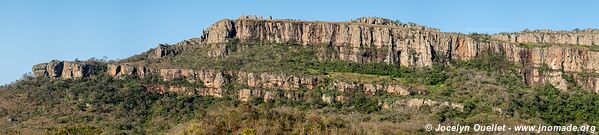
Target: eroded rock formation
point(363, 40)
point(385, 21)
point(164, 50)
point(63, 69)
point(578, 37)
point(373, 40)
point(120, 70)
point(359, 41)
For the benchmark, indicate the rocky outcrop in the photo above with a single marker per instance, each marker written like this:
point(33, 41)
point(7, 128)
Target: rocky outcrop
point(189, 42)
point(212, 80)
point(121, 70)
point(277, 81)
point(536, 77)
point(164, 50)
point(360, 41)
point(364, 40)
point(376, 40)
point(562, 58)
point(551, 64)
point(385, 21)
point(417, 103)
point(577, 37)
point(587, 82)
point(51, 69)
point(268, 86)
point(382, 42)
point(370, 88)
point(63, 69)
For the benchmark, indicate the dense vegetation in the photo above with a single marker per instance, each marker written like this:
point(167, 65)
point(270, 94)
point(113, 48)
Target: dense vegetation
point(489, 87)
point(98, 101)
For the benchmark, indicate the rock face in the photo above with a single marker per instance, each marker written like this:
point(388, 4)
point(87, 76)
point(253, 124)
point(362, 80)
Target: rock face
point(128, 69)
point(374, 40)
point(369, 88)
point(551, 64)
point(578, 37)
point(363, 40)
point(212, 80)
point(265, 85)
point(191, 41)
point(164, 50)
point(392, 44)
point(274, 81)
point(384, 21)
point(63, 69)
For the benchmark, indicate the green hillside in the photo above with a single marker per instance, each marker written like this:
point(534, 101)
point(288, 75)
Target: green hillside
point(489, 87)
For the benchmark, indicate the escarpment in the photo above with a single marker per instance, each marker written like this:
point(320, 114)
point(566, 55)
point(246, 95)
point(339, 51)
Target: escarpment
point(379, 40)
point(120, 70)
point(63, 69)
point(363, 40)
point(587, 37)
point(384, 21)
point(164, 50)
point(266, 85)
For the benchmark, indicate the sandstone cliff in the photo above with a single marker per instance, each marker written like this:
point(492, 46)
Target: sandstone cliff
point(363, 40)
point(264, 84)
point(417, 47)
point(120, 70)
point(163, 50)
point(384, 21)
point(63, 69)
point(578, 37)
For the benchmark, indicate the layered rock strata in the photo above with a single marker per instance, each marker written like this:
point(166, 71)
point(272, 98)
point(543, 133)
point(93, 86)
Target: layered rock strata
point(266, 84)
point(121, 70)
point(586, 37)
point(417, 103)
point(375, 40)
point(63, 69)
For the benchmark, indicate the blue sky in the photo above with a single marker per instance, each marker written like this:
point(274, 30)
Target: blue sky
point(38, 31)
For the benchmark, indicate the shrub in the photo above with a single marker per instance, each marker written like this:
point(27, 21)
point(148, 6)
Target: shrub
point(74, 130)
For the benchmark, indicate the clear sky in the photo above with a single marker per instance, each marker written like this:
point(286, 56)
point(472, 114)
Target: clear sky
point(38, 31)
